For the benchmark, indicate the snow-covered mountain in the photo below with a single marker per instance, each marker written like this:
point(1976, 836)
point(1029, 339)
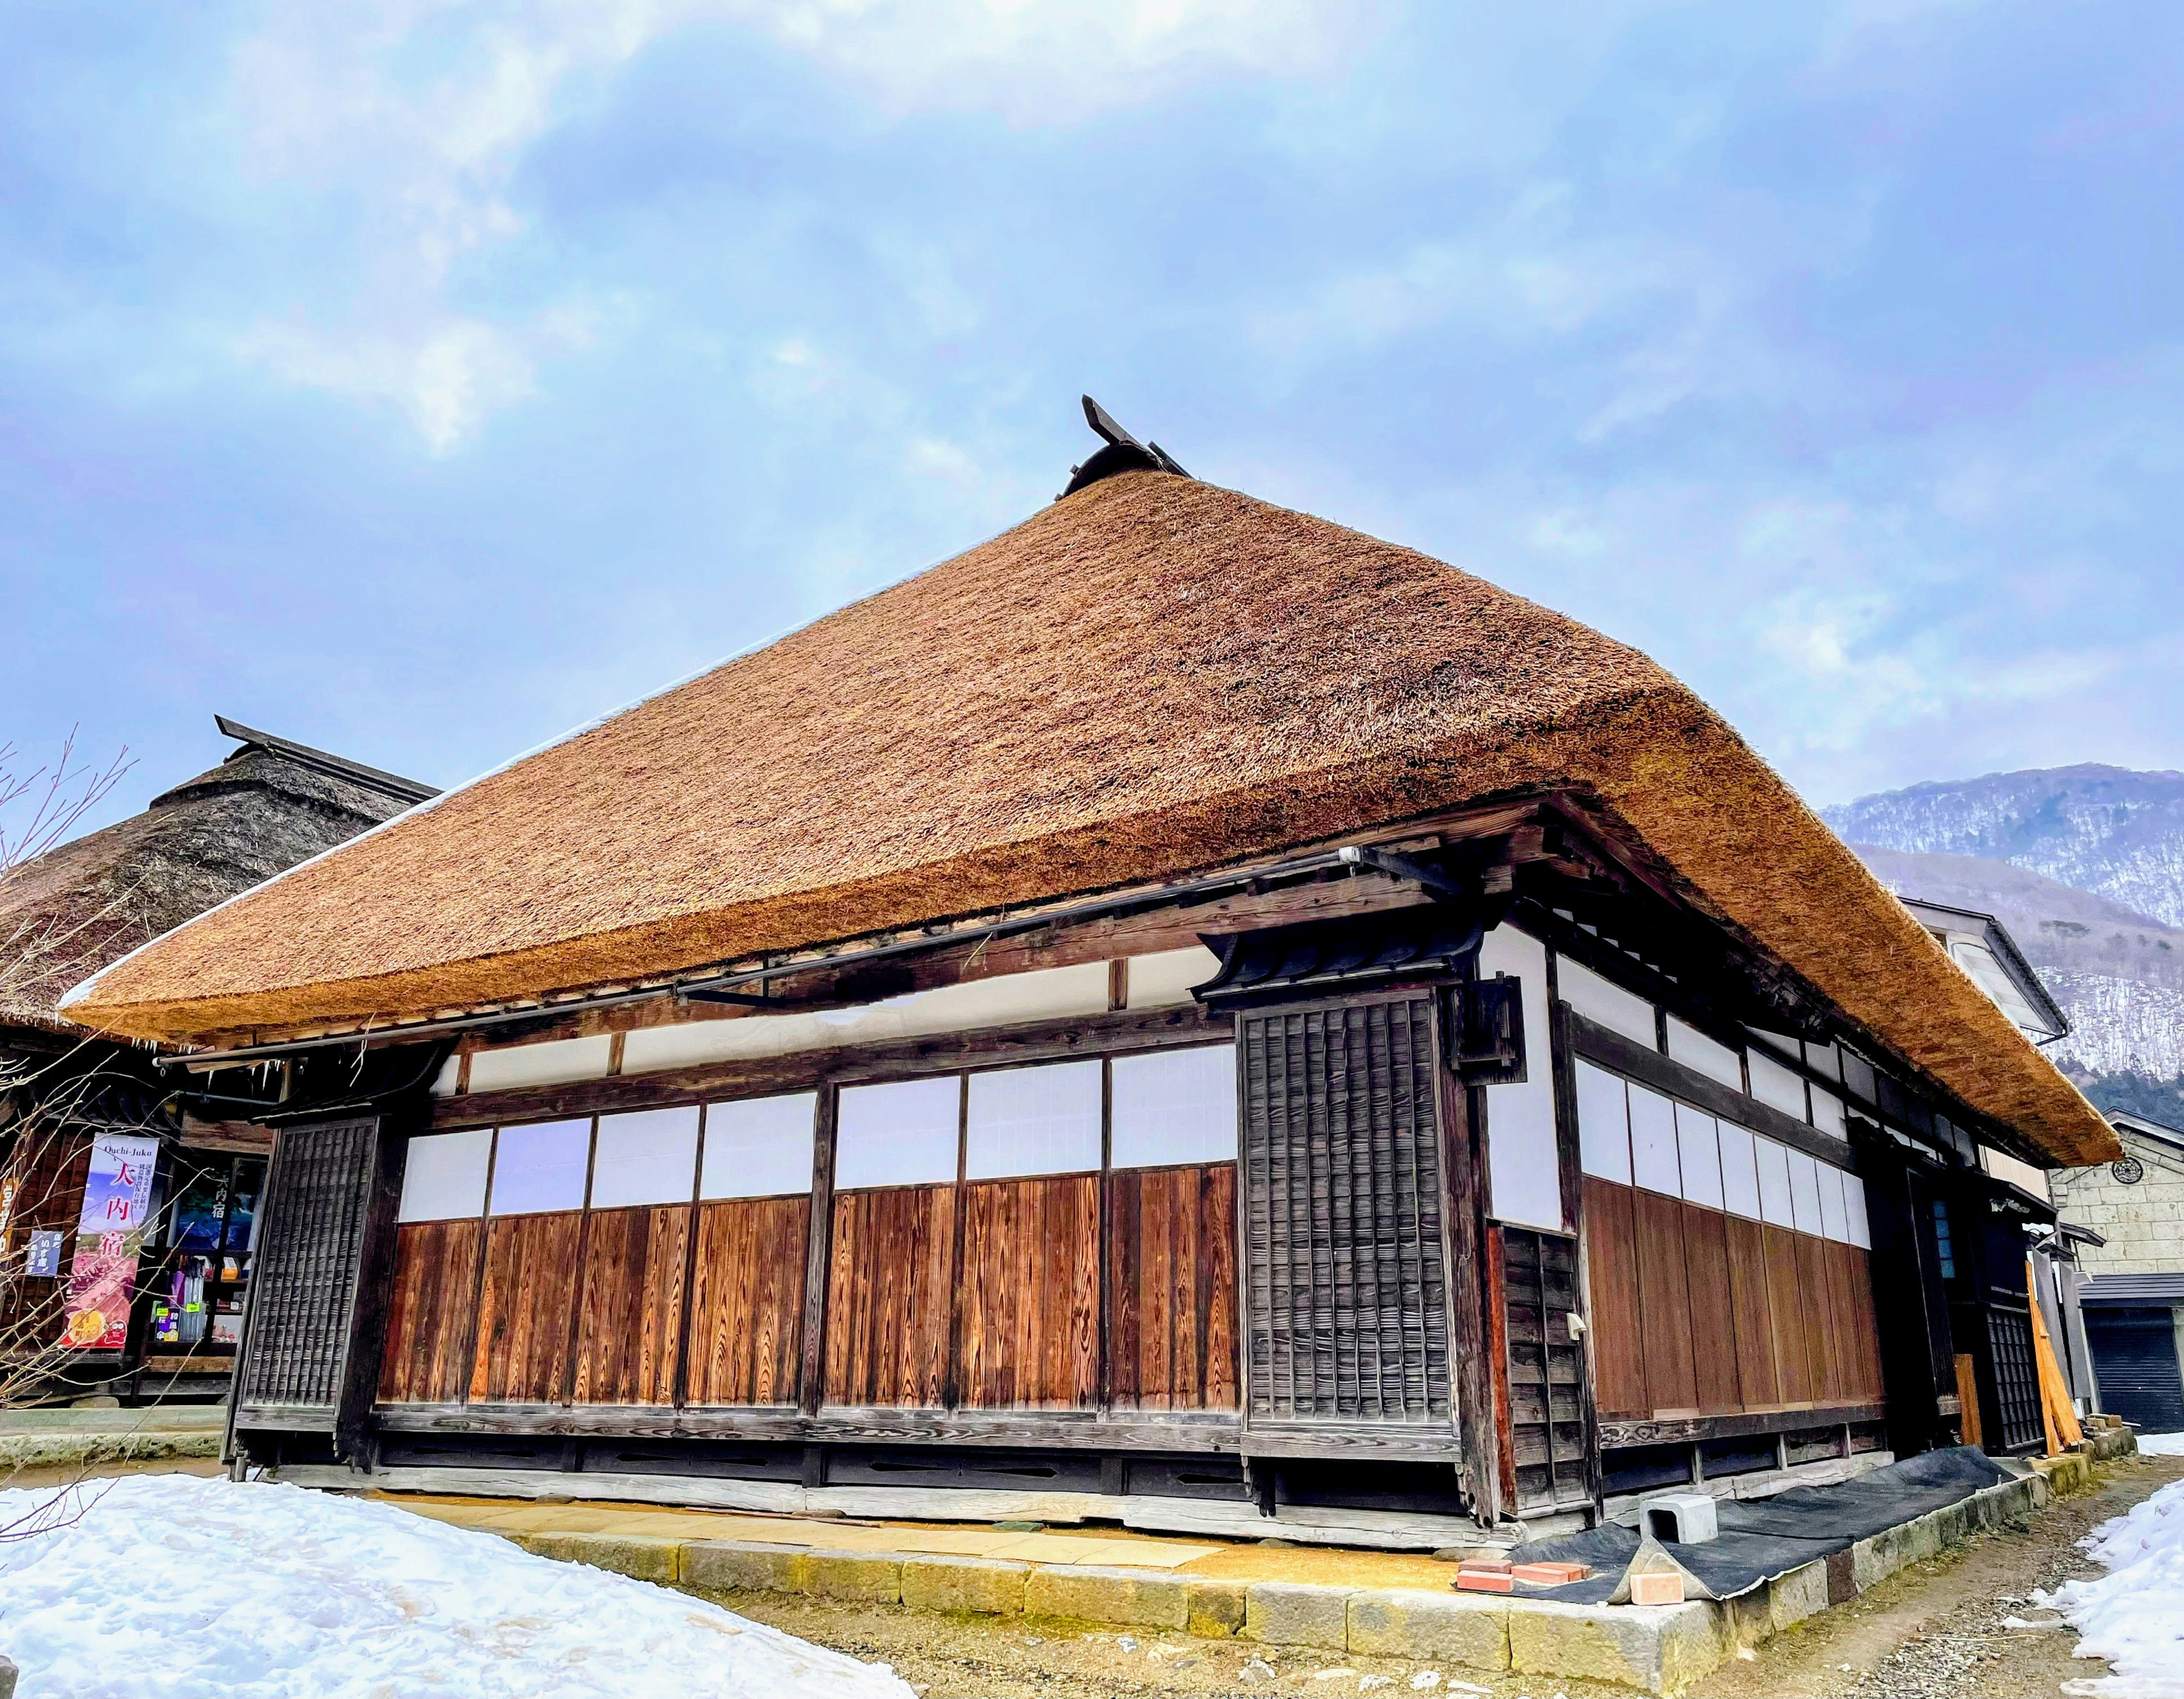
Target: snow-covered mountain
point(2085, 867)
point(2117, 833)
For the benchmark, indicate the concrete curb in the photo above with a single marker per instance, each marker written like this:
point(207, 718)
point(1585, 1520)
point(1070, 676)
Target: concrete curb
point(1660, 1649)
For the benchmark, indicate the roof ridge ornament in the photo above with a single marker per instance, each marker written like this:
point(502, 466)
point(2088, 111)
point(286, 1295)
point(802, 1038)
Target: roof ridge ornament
point(1123, 453)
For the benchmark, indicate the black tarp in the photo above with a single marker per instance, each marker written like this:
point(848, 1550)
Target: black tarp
point(1763, 1538)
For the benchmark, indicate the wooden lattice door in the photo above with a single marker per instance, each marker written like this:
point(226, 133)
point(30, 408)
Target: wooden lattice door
point(1346, 1279)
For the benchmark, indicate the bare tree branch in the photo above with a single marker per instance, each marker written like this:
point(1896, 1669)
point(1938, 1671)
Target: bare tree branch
point(62, 793)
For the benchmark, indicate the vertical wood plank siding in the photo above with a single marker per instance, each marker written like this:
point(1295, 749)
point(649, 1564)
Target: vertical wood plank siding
point(427, 1360)
point(1172, 1287)
point(630, 1325)
point(747, 1300)
point(1664, 1302)
point(1697, 1312)
point(527, 1309)
point(1758, 1384)
point(1346, 1290)
point(1030, 1333)
point(1618, 1347)
point(304, 1278)
point(888, 1296)
point(1713, 1325)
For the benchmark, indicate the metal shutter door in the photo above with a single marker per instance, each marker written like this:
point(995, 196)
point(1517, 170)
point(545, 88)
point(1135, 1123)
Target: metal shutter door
point(2135, 1365)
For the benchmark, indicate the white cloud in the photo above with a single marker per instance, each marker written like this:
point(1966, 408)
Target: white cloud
point(419, 113)
point(445, 379)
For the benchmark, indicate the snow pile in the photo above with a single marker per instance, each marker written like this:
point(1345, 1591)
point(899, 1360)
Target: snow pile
point(2161, 1445)
point(176, 1587)
point(2134, 1615)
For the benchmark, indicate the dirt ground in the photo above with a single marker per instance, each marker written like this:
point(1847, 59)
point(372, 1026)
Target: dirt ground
point(1934, 1631)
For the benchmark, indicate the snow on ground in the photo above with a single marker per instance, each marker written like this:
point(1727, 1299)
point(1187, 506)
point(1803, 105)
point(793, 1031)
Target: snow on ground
point(2134, 1615)
point(176, 1587)
point(2161, 1445)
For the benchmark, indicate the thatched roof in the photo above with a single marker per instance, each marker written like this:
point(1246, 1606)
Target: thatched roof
point(90, 901)
point(1152, 676)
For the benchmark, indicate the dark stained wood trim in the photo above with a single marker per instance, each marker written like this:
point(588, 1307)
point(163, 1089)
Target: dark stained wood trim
point(819, 1251)
point(844, 1424)
point(682, 1388)
point(1596, 1043)
point(1569, 1153)
point(951, 1362)
point(1497, 1353)
point(1615, 1435)
point(373, 1294)
point(814, 1070)
point(1104, 1397)
point(1463, 1228)
point(583, 1258)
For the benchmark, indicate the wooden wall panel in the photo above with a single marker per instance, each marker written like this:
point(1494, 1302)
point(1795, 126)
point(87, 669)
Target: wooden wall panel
point(1869, 1321)
point(1786, 1309)
point(747, 1300)
point(629, 1327)
point(1696, 1310)
point(888, 1299)
point(1664, 1302)
point(1714, 1322)
point(1030, 1336)
point(1171, 1287)
point(1819, 1317)
point(1757, 1380)
point(431, 1312)
point(525, 1309)
point(1852, 1294)
point(1619, 1360)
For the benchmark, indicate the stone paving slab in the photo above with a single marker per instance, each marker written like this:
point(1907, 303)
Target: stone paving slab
point(1657, 1649)
point(1140, 1550)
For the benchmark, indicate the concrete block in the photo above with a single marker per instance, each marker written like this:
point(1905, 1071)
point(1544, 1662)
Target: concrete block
point(1659, 1648)
point(1216, 1609)
point(1284, 1613)
point(1147, 1598)
point(1438, 1628)
point(1681, 1518)
point(987, 1585)
point(728, 1566)
point(644, 1557)
point(1950, 1525)
point(861, 1576)
point(1799, 1593)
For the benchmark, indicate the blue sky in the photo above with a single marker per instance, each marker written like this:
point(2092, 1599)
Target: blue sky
point(421, 379)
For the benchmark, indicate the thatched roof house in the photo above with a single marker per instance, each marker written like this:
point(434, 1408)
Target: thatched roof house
point(268, 805)
point(1184, 1012)
point(1152, 678)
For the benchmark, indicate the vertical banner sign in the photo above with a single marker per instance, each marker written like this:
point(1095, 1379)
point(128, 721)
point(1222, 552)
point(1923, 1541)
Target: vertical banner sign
point(117, 1200)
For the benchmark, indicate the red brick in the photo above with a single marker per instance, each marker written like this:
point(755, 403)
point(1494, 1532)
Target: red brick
point(1482, 1581)
point(1552, 1575)
point(1658, 1587)
point(1482, 1566)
